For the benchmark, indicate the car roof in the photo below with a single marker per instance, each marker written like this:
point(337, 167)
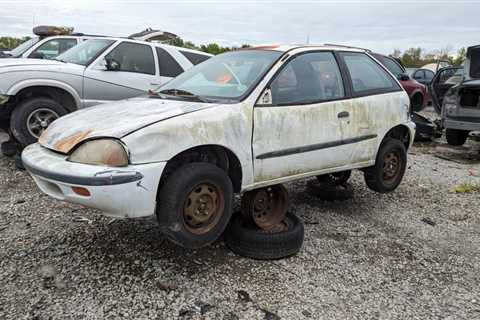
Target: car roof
point(289, 47)
point(156, 44)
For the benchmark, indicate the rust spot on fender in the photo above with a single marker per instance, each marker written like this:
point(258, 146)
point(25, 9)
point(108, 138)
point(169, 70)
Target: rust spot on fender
point(66, 144)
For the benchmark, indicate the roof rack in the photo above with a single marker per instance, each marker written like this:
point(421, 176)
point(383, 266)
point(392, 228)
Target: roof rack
point(345, 46)
point(150, 34)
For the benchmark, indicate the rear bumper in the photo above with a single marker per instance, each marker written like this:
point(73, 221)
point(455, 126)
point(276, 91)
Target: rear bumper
point(125, 192)
point(461, 125)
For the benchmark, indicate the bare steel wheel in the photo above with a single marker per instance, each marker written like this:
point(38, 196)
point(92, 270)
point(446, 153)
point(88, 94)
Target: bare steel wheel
point(267, 207)
point(202, 208)
point(389, 168)
point(195, 204)
point(391, 165)
point(39, 120)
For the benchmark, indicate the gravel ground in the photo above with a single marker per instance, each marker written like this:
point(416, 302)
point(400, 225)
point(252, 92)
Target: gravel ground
point(412, 254)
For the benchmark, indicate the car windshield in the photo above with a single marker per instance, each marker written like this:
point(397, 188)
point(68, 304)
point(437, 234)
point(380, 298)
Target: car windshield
point(19, 50)
point(226, 77)
point(85, 52)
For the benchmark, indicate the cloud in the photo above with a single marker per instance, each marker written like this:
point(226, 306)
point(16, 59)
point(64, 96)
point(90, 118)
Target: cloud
point(381, 26)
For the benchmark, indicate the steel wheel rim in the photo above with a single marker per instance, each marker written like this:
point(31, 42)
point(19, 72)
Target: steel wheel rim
point(391, 165)
point(39, 120)
point(269, 206)
point(203, 207)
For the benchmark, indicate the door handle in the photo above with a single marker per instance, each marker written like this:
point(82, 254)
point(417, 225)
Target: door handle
point(343, 114)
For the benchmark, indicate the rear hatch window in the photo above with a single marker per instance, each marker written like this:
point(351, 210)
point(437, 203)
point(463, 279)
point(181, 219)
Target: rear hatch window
point(474, 56)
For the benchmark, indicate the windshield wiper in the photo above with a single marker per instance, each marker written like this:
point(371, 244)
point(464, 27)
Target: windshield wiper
point(182, 94)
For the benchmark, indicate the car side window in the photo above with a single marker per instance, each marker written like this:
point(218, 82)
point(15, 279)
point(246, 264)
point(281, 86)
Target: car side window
point(133, 57)
point(308, 78)
point(367, 76)
point(419, 75)
point(393, 67)
point(169, 67)
point(194, 58)
point(52, 48)
point(429, 75)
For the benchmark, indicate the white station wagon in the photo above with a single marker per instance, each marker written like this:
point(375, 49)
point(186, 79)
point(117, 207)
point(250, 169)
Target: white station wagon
point(237, 122)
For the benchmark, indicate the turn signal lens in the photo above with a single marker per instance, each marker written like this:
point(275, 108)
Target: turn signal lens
point(107, 152)
point(81, 191)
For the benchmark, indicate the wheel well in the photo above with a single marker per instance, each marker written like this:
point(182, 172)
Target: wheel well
point(401, 133)
point(64, 98)
point(220, 156)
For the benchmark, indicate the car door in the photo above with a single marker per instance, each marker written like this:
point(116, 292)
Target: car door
point(443, 80)
point(131, 71)
point(419, 76)
point(374, 107)
point(299, 130)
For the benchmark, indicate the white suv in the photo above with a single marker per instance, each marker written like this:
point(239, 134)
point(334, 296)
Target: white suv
point(237, 122)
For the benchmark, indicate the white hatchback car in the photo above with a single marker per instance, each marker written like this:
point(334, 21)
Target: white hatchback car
point(237, 122)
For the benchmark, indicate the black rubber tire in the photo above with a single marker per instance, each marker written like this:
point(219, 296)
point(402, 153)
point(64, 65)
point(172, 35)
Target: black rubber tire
point(172, 196)
point(329, 192)
point(456, 137)
point(18, 120)
point(9, 148)
point(245, 239)
point(335, 178)
point(374, 175)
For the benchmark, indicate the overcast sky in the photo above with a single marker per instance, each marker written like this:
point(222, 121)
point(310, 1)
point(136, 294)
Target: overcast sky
point(378, 25)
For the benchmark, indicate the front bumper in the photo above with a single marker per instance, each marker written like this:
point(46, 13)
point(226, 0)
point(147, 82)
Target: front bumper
point(125, 192)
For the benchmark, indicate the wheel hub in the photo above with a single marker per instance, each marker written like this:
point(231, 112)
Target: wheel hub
point(267, 207)
point(391, 165)
point(202, 208)
point(39, 120)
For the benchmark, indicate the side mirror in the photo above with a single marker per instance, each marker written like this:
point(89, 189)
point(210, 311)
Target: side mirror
point(112, 64)
point(36, 55)
point(265, 97)
point(403, 77)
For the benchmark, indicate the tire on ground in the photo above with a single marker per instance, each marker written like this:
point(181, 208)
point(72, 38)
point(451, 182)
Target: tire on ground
point(374, 176)
point(328, 192)
point(245, 239)
point(9, 148)
point(335, 178)
point(173, 196)
point(456, 137)
point(19, 118)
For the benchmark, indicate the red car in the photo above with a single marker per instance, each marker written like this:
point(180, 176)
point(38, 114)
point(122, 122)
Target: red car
point(417, 91)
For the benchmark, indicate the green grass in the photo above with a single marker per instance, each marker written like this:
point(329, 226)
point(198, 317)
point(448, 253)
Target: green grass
point(466, 188)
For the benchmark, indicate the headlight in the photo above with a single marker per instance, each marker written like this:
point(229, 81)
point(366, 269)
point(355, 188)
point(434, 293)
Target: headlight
point(108, 152)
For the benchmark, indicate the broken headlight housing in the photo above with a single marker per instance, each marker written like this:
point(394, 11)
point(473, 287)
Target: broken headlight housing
point(4, 99)
point(106, 152)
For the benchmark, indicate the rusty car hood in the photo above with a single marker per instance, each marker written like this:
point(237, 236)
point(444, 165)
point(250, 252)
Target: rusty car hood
point(116, 120)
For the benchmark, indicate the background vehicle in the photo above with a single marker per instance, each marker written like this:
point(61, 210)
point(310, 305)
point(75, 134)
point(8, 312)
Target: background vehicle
point(35, 92)
point(240, 121)
point(460, 106)
point(424, 76)
point(442, 82)
point(47, 43)
point(416, 91)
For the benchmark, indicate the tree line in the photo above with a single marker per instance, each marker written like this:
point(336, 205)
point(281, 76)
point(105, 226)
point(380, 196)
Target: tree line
point(418, 57)
point(412, 57)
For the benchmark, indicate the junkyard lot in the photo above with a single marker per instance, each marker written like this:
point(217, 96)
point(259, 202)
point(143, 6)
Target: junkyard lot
point(410, 254)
